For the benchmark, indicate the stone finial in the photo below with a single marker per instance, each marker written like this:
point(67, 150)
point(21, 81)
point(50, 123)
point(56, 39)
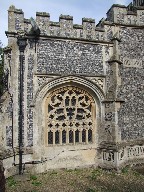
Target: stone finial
point(12, 8)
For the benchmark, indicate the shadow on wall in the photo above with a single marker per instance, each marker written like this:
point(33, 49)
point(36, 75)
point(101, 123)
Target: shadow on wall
point(2, 178)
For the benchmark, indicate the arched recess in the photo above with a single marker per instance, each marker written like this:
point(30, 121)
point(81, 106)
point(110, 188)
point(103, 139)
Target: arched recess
point(78, 85)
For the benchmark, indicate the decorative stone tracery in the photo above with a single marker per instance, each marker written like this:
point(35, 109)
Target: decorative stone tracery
point(69, 116)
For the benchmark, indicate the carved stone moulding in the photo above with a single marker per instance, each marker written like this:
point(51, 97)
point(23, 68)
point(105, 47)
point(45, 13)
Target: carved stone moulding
point(43, 79)
point(117, 157)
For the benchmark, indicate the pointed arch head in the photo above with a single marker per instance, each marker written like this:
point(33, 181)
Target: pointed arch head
point(94, 89)
point(81, 85)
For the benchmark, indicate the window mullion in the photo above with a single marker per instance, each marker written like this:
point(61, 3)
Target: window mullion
point(53, 137)
point(86, 136)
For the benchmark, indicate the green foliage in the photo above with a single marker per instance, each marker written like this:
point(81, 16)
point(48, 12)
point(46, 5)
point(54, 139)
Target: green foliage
point(125, 170)
point(11, 182)
point(36, 183)
point(1, 44)
point(137, 174)
point(33, 177)
point(69, 170)
point(91, 190)
point(54, 172)
point(34, 180)
point(1, 70)
point(95, 173)
point(73, 170)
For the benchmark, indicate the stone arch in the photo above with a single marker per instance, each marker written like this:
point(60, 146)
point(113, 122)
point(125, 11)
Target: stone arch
point(39, 124)
point(69, 79)
point(72, 109)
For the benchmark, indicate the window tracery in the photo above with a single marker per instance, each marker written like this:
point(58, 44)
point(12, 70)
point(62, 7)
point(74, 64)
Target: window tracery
point(69, 116)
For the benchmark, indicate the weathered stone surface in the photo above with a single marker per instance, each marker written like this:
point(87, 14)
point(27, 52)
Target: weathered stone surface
point(67, 57)
point(2, 178)
point(82, 92)
point(131, 114)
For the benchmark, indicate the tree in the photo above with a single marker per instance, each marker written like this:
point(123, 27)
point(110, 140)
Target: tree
point(1, 68)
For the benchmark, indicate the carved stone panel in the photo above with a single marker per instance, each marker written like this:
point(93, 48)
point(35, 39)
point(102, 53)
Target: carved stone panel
point(100, 81)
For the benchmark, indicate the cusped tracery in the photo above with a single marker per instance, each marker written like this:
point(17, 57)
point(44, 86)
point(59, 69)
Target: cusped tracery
point(69, 116)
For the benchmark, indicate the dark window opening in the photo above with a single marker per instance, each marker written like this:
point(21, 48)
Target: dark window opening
point(83, 135)
point(89, 135)
point(59, 111)
point(77, 136)
point(50, 137)
point(73, 101)
point(57, 137)
point(63, 136)
point(70, 136)
point(67, 101)
point(50, 108)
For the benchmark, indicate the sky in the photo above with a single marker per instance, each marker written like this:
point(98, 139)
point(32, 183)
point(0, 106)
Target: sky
point(95, 9)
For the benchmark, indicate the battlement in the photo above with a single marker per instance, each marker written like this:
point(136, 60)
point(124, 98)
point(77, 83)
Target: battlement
point(130, 15)
point(126, 15)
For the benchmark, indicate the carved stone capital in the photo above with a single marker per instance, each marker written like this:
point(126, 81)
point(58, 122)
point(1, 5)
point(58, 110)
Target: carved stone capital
point(22, 43)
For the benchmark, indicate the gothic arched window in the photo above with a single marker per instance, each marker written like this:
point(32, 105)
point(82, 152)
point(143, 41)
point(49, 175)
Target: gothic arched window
point(70, 115)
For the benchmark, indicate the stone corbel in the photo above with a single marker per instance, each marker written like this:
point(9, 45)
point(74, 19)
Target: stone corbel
point(21, 33)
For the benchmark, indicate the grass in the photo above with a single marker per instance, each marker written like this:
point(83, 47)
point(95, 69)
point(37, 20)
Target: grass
point(36, 183)
point(11, 182)
point(33, 177)
point(81, 180)
point(91, 190)
point(96, 173)
point(34, 180)
point(125, 170)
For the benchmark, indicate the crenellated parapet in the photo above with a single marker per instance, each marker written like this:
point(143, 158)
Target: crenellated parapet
point(130, 15)
point(63, 29)
point(126, 15)
point(15, 19)
point(66, 29)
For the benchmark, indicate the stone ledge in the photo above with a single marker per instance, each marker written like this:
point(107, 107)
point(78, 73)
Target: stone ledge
point(67, 17)
point(117, 146)
point(57, 24)
point(89, 20)
point(76, 26)
point(6, 153)
point(27, 21)
point(42, 14)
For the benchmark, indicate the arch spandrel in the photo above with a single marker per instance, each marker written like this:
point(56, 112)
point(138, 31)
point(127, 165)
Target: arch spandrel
point(75, 80)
